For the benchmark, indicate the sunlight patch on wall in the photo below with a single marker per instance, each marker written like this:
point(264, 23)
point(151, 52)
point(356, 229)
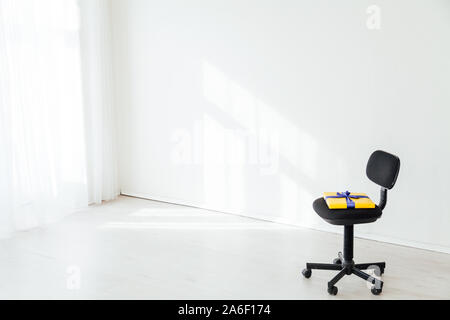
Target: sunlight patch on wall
point(269, 141)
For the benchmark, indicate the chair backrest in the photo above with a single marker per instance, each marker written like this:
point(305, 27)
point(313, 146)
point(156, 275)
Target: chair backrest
point(382, 168)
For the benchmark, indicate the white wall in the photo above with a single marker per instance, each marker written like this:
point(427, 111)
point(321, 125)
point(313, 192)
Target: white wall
point(257, 107)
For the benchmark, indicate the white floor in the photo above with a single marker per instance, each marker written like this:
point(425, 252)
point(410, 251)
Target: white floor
point(139, 249)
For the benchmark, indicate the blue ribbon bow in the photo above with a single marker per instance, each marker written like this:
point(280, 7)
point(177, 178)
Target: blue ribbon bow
point(348, 197)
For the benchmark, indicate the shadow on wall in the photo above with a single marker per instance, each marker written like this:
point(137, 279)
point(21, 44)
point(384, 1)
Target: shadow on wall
point(245, 139)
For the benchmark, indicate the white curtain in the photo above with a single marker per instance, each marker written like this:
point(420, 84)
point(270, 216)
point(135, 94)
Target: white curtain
point(47, 168)
point(96, 53)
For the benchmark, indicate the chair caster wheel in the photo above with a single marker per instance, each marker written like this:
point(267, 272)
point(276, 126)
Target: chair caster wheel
point(375, 291)
point(333, 290)
point(306, 273)
point(337, 261)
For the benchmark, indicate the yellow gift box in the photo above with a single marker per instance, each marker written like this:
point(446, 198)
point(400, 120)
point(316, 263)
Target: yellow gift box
point(348, 200)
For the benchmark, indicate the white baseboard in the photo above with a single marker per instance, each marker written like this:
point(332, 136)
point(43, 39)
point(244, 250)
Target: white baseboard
point(325, 228)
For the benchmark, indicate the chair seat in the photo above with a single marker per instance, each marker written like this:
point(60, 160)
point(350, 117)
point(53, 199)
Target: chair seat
point(345, 216)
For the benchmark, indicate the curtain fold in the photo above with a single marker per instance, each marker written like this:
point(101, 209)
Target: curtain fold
point(57, 151)
point(96, 54)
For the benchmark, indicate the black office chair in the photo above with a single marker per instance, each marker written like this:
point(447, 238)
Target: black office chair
point(382, 169)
